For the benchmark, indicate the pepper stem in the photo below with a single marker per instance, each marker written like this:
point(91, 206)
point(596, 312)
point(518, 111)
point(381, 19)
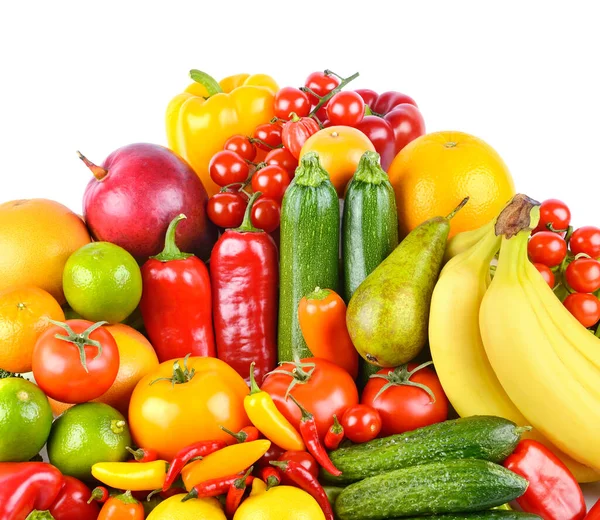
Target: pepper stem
point(171, 251)
point(272, 481)
point(127, 498)
point(247, 222)
point(400, 376)
point(336, 427)
point(99, 493)
point(281, 464)
point(210, 84)
point(239, 436)
point(40, 515)
point(306, 415)
point(137, 454)
point(192, 494)
point(254, 388)
point(458, 208)
point(180, 375)
point(98, 171)
point(294, 117)
point(81, 340)
point(240, 483)
point(318, 294)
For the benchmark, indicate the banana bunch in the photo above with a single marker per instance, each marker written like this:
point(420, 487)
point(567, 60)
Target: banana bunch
point(488, 355)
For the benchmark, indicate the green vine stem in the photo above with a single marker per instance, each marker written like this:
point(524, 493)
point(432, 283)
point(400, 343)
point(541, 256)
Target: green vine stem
point(323, 100)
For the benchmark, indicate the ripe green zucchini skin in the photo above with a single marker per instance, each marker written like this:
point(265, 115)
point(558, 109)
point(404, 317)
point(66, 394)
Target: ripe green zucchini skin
point(478, 437)
point(309, 249)
point(452, 486)
point(481, 515)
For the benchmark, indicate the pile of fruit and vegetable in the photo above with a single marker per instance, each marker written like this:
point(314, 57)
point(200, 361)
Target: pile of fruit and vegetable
point(305, 307)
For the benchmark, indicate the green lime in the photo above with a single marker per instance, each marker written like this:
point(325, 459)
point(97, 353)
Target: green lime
point(85, 434)
point(25, 419)
point(102, 281)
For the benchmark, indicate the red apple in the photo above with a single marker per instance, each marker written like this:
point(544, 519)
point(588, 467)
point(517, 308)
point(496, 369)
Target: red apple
point(137, 191)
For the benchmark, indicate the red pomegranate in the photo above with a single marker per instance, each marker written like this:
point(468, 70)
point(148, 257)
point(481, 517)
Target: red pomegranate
point(137, 191)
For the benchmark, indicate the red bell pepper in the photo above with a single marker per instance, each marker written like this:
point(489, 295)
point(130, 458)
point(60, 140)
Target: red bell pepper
point(72, 502)
point(176, 302)
point(553, 493)
point(27, 486)
point(244, 271)
point(594, 512)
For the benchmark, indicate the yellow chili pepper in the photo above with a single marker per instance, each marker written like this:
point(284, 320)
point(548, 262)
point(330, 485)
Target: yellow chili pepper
point(263, 414)
point(227, 461)
point(134, 476)
point(202, 118)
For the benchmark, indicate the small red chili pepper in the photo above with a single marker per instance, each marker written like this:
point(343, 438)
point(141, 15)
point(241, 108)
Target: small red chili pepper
point(247, 434)
point(271, 476)
point(306, 481)
point(99, 494)
point(215, 486)
point(335, 434)
point(198, 449)
point(142, 454)
point(235, 493)
point(594, 513)
point(553, 492)
point(310, 435)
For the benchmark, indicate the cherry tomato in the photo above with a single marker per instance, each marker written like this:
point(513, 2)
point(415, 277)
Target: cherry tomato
point(586, 240)
point(546, 273)
point(547, 248)
point(59, 371)
point(290, 99)
point(585, 307)
point(226, 209)
point(583, 275)
point(362, 423)
point(321, 84)
point(282, 157)
point(304, 459)
point(268, 135)
point(241, 145)
point(296, 132)
point(380, 133)
point(403, 407)
point(227, 167)
point(271, 181)
point(346, 108)
point(407, 122)
point(266, 214)
point(368, 96)
point(555, 212)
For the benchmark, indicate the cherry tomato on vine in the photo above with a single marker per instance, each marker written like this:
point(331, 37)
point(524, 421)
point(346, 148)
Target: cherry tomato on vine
point(321, 84)
point(268, 135)
point(585, 307)
point(547, 248)
point(282, 157)
point(586, 240)
point(304, 459)
point(226, 209)
point(555, 212)
point(583, 275)
point(290, 99)
point(271, 181)
point(228, 167)
point(546, 273)
point(266, 214)
point(362, 423)
point(241, 145)
point(346, 108)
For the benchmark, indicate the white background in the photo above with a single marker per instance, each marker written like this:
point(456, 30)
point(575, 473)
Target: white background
point(95, 76)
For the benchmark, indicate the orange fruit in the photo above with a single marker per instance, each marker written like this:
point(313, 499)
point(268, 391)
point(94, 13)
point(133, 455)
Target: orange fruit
point(24, 314)
point(137, 359)
point(433, 173)
point(36, 238)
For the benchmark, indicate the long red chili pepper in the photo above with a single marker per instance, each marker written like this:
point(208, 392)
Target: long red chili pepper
point(244, 271)
point(183, 456)
point(215, 487)
point(335, 434)
point(310, 435)
point(99, 494)
point(271, 476)
point(142, 454)
point(235, 493)
point(176, 302)
point(306, 481)
point(247, 434)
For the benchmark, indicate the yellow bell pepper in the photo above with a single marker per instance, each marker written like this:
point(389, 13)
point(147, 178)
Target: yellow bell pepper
point(134, 476)
point(207, 113)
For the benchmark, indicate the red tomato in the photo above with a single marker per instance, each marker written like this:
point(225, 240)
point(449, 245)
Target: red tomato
point(271, 181)
point(346, 108)
point(58, 369)
point(72, 502)
point(586, 240)
point(583, 275)
point(547, 248)
point(328, 389)
point(369, 96)
point(380, 133)
point(241, 145)
point(290, 99)
point(282, 157)
point(304, 459)
point(267, 136)
point(554, 212)
point(321, 84)
point(266, 214)
point(403, 406)
point(585, 307)
point(362, 423)
point(226, 209)
point(546, 273)
point(227, 167)
point(407, 122)
point(296, 132)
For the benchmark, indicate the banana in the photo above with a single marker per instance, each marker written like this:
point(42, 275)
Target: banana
point(463, 241)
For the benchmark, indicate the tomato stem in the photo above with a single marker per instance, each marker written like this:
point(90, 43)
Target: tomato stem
point(264, 143)
point(323, 100)
point(180, 375)
point(298, 374)
point(400, 376)
point(81, 340)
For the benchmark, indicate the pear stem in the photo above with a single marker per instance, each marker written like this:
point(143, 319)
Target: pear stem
point(98, 171)
point(458, 208)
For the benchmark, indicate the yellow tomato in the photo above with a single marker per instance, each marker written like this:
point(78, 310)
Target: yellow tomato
point(167, 416)
point(339, 148)
point(195, 509)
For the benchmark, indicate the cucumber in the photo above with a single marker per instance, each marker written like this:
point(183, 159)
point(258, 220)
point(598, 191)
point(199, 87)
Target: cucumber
point(478, 437)
point(452, 486)
point(481, 515)
point(309, 248)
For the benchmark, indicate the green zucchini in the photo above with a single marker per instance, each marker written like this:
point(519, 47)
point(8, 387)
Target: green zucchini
point(478, 437)
point(452, 486)
point(481, 515)
point(309, 248)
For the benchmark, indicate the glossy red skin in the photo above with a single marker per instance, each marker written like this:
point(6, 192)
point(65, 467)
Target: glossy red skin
point(388, 101)
point(241, 145)
point(244, 272)
point(271, 181)
point(547, 248)
point(226, 209)
point(295, 134)
point(227, 167)
point(361, 423)
point(176, 307)
point(71, 503)
point(555, 212)
point(282, 157)
point(148, 185)
point(585, 307)
point(408, 124)
point(321, 84)
point(404, 408)
point(594, 512)
point(58, 370)
point(266, 214)
point(369, 96)
point(380, 133)
point(273, 453)
point(583, 275)
point(586, 240)
point(269, 133)
point(546, 273)
point(291, 99)
point(330, 390)
point(346, 108)
point(304, 459)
